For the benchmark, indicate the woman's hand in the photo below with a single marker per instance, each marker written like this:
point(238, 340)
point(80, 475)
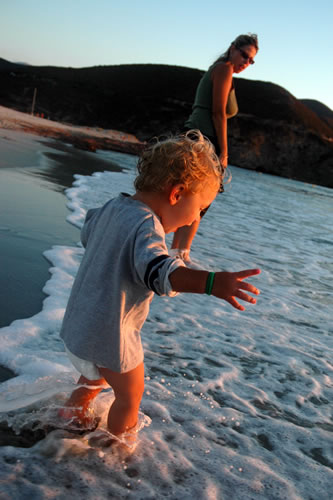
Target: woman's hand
point(223, 161)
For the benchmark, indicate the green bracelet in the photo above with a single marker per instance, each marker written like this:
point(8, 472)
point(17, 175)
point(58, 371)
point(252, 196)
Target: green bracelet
point(209, 283)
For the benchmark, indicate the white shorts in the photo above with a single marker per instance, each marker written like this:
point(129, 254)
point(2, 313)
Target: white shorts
point(87, 368)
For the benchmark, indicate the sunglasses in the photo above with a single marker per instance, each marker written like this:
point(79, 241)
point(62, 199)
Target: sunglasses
point(245, 56)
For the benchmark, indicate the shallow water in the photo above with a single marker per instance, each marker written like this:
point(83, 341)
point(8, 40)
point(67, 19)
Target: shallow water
point(240, 403)
point(31, 220)
point(33, 175)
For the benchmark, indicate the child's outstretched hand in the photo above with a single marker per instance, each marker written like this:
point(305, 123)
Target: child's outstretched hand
point(230, 286)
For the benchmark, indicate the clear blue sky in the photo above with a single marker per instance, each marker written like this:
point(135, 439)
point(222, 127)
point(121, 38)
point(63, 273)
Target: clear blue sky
point(295, 36)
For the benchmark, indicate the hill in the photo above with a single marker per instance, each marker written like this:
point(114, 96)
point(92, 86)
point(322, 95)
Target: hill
point(324, 112)
point(274, 132)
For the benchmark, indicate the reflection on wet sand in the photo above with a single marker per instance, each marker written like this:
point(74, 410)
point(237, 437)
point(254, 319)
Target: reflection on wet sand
point(34, 172)
point(66, 161)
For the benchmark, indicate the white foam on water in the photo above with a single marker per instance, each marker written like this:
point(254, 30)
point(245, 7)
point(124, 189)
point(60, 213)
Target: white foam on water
point(240, 403)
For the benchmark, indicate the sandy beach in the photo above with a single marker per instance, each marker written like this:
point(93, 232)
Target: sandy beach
point(236, 405)
point(89, 139)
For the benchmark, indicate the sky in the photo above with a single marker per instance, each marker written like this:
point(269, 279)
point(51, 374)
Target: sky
point(295, 36)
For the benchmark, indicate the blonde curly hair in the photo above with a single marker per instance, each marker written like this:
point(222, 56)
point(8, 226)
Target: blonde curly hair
point(187, 159)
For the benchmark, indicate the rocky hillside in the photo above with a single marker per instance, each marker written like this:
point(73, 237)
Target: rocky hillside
point(324, 112)
point(274, 132)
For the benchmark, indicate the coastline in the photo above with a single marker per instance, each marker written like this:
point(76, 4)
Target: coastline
point(37, 163)
point(84, 138)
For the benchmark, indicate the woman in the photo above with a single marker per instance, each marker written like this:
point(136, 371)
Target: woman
point(215, 102)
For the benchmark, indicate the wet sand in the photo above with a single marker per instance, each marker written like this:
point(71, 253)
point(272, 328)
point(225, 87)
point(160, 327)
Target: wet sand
point(33, 175)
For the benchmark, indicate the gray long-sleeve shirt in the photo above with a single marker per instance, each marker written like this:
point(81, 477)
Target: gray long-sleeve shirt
point(126, 260)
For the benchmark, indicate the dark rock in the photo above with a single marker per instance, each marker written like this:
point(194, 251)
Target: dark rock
point(278, 148)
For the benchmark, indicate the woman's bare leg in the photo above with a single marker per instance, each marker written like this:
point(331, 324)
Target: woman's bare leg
point(183, 237)
point(128, 390)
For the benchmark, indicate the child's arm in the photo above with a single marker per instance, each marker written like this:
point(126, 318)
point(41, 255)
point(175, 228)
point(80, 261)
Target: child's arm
point(226, 285)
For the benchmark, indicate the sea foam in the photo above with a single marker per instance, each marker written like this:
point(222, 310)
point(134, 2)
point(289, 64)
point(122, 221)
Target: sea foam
point(239, 404)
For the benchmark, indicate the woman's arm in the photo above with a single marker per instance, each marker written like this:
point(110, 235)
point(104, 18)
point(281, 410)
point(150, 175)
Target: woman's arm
point(222, 82)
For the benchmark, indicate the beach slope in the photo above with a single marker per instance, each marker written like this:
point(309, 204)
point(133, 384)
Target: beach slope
point(89, 139)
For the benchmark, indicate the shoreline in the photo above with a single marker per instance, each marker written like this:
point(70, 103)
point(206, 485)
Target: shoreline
point(37, 164)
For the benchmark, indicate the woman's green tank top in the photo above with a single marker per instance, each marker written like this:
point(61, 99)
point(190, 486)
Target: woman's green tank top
point(201, 117)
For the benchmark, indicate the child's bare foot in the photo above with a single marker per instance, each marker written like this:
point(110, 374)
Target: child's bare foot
point(79, 419)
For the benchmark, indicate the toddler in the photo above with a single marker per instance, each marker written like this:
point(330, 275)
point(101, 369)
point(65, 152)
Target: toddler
point(126, 262)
